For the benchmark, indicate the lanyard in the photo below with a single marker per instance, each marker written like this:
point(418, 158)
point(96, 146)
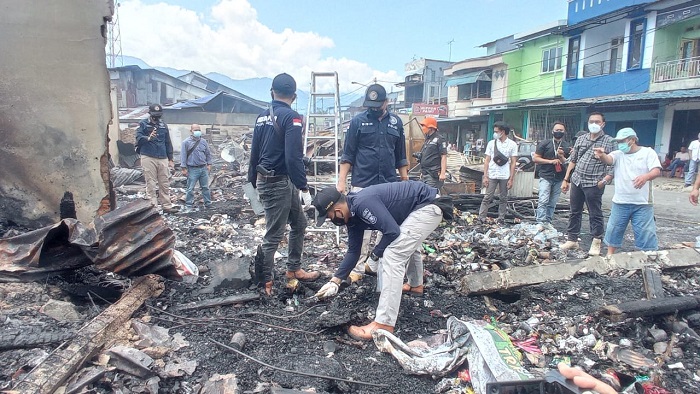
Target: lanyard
point(556, 148)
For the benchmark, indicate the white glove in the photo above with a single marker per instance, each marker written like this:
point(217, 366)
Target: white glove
point(305, 198)
point(328, 290)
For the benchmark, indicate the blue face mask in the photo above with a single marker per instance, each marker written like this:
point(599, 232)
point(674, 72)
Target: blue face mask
point(197, 133)
point(624, 147)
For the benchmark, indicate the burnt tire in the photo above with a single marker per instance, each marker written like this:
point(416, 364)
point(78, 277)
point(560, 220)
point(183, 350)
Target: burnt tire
point(31, 337)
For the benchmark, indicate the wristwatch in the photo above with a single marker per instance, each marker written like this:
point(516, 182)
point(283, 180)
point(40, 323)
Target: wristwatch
point(605, 181)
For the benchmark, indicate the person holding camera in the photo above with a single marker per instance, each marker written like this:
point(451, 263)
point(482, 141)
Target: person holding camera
point(156, 149)
point(550, 156)
point(499, 170)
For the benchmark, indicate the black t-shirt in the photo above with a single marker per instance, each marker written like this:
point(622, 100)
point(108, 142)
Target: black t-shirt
point(431, 154)
point(548, 150)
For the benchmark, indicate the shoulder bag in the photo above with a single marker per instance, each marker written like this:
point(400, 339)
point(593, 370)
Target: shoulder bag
point(498, 157)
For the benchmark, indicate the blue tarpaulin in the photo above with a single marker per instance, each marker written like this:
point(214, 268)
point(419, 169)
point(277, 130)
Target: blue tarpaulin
point(469, 77)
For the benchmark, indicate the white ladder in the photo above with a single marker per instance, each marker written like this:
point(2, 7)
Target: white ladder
point(321, 133)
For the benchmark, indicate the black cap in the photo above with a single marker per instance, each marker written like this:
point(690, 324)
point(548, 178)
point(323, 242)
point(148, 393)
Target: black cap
point(375, 96)
point(323, 201)
point(155, 110)
point(284, 84)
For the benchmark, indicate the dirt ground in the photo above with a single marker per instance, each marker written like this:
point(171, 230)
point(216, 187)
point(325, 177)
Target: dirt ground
point(294, 332)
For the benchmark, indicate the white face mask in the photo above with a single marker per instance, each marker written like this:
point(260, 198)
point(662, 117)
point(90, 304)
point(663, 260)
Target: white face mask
point(496, 136)
point(594, 128)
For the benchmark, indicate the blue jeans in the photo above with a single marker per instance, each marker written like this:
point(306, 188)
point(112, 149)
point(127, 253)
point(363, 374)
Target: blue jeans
point(643, 225)
point(692, 169)
point(282, 205)
point(548, 198)
point(675, 164)
point(194, 175)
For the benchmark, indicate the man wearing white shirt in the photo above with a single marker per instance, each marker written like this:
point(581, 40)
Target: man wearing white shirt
point(498, 175)
point(634, 166)
point(694, 149)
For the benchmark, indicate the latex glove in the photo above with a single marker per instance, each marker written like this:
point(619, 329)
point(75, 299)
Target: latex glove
point(305, 198)
point(328, 290)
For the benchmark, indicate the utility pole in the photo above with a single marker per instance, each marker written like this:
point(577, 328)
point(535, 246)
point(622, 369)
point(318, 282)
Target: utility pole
point(449, 44)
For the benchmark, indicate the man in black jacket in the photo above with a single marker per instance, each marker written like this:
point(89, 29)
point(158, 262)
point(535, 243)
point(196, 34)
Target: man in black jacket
point(277, 171)
point(156, 149)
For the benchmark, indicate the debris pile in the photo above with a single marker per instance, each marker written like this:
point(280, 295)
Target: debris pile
point(632, 320)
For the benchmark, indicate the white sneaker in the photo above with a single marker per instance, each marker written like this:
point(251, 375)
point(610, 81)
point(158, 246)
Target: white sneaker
point(595, 248)
point(568, 245)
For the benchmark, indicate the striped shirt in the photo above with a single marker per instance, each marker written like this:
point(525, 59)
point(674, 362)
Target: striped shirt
point(589, 170)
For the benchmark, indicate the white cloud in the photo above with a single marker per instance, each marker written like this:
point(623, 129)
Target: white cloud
point(233, 42)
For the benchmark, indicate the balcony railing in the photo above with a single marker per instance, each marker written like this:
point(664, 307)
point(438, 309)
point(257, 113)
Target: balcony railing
point(602, 68)
point(676, 69)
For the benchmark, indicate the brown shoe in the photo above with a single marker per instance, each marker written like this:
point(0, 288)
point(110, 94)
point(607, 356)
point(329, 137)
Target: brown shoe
point(172, 209)
point(364, 333)
point(416, 291)
point(268, 288)
point(303, 275)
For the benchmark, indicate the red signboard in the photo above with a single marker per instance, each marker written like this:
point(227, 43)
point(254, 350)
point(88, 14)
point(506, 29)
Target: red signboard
point(429, 109)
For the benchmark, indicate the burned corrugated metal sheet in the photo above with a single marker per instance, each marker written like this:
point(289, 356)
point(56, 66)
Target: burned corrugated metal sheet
point(133, 240)
point(45, 251)
point(54, 114)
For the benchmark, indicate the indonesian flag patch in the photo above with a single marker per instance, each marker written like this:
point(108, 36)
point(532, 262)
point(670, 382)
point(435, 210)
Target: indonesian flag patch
point(296, 122)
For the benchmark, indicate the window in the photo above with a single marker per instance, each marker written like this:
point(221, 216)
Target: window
point(478, 89)
point(432, 76)
point(432, 92)
point(634, 59)
point(551, 59)
point(572, 57)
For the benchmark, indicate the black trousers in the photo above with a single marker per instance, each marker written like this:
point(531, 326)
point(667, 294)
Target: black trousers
point(593, 198)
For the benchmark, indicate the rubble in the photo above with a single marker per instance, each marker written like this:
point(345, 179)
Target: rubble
point(545, 301)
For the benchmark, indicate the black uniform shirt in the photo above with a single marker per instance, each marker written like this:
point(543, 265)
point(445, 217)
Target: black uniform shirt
point(281, 151)
point(381, 207)
point(431, 154)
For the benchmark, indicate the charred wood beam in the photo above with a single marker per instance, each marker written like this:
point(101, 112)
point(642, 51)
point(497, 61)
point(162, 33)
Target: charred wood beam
point(235, 299)
point(652, 283)
point(658, 306)
point(63, 362)
point(512, 278)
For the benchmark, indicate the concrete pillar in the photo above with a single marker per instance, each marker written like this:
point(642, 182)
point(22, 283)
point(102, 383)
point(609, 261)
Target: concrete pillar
point(54, 108)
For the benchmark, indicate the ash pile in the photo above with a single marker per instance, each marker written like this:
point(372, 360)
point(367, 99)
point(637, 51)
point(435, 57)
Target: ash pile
point(83, 313)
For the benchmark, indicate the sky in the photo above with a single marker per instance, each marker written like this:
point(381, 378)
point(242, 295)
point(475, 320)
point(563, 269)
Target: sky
point(360, 39)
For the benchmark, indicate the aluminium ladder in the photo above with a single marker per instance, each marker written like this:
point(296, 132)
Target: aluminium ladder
point(321, 133)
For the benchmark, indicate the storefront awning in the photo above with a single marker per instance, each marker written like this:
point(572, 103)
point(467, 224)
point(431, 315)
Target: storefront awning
point(469, 77)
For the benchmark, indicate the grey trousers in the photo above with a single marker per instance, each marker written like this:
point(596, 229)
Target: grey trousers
point(364, 251)
point(402, 257)
point(502, 185)
point(282, 206)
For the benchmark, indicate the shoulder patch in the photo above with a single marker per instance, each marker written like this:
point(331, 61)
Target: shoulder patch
point(296, 122)
point(368, 216)
point(393, 119)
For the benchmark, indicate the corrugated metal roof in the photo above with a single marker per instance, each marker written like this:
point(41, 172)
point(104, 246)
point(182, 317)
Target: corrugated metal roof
point(669, 95)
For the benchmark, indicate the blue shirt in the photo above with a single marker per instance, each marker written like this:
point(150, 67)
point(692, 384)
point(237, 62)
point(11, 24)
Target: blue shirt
point(281, 151)
point(200, 156)
point(375, 149)
point(381, 207)
point(160, 146)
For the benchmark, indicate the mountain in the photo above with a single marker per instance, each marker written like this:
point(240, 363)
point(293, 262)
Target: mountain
point(257, 88)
